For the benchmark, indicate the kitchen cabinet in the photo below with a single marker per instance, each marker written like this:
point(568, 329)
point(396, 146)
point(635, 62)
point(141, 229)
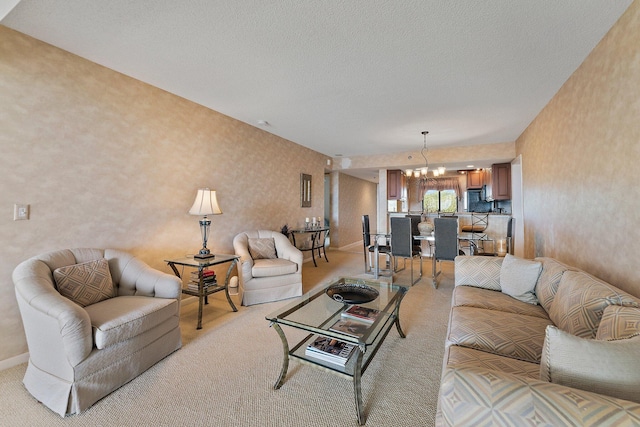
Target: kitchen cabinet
point(475, 180)
point(395, 185)
point(501, 181)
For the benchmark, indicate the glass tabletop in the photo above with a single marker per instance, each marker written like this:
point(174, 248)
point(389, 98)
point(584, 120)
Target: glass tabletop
point(205, 262)
point(308, 230)
point(317, 312)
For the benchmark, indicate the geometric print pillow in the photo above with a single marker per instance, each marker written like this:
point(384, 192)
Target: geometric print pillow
point(480, 272)
point(619, 322)
point(580, 303)
point(86, 283)
point(262, 248)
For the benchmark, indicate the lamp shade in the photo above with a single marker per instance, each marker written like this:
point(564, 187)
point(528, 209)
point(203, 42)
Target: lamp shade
point(206, 203)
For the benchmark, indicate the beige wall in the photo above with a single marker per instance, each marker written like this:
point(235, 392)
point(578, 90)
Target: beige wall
point(350, 199)
point(108, 161)
point(580, 158)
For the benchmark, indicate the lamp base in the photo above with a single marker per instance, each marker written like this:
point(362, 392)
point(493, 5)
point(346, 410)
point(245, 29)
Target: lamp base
point(204, 254)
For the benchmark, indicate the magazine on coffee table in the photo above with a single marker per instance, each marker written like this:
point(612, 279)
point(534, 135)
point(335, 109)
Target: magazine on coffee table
point(330, 350)
point(361, 313)
point(354, 328)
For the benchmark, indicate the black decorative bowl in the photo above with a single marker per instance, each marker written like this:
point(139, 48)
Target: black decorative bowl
point(352, 293)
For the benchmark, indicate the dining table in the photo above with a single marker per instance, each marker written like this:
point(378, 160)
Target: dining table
point(429, 238)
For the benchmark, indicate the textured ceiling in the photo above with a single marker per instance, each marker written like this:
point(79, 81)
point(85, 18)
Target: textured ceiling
point(341, 77)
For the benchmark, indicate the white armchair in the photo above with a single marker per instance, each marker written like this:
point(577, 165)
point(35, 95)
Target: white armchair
point(270, 266)
point(81, 350)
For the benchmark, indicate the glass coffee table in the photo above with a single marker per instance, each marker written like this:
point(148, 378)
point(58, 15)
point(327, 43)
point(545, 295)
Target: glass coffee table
point(316, 312)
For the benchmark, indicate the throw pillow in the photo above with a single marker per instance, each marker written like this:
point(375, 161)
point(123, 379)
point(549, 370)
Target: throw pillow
point(581, 300)
point(606, 367)
point(262, 248)
point(86, 283)
point(518, 278)
point(619, 322)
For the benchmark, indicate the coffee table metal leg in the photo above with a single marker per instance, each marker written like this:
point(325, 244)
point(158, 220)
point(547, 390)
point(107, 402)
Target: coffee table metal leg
point(357, 389)
point(397, 322)
point(285, 359)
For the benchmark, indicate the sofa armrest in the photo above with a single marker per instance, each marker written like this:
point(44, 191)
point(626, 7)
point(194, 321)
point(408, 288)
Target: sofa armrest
point(478, 271)
point(474, 395)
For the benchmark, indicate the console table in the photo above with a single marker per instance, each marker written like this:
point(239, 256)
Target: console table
point(203, 292)
point(318, 235)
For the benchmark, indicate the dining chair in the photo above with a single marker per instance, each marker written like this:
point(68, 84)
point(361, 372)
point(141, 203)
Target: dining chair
point(446, 243)
point(403, 246)
point(370, 247)
point(415, 231)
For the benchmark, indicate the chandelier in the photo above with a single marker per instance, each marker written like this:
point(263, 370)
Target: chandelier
point(423, 171)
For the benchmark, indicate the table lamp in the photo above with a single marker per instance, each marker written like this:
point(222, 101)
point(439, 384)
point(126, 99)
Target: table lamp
point(205, 204)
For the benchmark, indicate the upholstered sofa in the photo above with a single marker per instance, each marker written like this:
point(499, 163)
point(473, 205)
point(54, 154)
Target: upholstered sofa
point(270, 266)
point(94, 319)
point(536, 342)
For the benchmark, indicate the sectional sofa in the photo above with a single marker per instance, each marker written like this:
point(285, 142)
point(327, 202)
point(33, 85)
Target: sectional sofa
point(537, 342)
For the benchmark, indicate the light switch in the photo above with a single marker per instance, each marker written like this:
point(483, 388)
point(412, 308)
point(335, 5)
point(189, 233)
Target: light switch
point(20, 212)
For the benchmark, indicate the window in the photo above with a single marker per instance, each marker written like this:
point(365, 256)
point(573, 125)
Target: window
point(441, 201)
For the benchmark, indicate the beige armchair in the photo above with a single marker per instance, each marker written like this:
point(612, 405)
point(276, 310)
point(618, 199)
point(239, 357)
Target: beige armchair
point(81, 350)
point(270, 266)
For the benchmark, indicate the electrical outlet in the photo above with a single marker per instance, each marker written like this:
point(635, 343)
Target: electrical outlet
point(20, 212)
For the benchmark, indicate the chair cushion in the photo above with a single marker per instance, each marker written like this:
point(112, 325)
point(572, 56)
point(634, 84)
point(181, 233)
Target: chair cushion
point(383, 249)
point(619, 322)
point(121, 318)
point(86, 283)
point(606, 367)
point(580, 301)
point(262, 248)
point(518, 278)
point(472, 228)
point(273, 267)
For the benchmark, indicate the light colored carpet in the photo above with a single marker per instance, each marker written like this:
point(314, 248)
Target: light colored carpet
point(224, 373)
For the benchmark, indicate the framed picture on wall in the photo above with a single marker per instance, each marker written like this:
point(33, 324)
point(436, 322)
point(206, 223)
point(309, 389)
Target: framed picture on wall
point(305, 190)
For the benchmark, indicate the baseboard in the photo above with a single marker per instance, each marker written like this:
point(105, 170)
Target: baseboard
point(14, 361)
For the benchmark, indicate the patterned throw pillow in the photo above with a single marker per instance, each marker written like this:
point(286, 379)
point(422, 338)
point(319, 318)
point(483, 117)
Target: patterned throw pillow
point(86, 283)
point(262, 248)
point(518, 278)
point(547, 285)
point(580, 302)
point(619, 322)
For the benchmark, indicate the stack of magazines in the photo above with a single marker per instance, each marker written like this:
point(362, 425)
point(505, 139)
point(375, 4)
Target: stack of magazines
point(208, 279)
point(330, 350)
